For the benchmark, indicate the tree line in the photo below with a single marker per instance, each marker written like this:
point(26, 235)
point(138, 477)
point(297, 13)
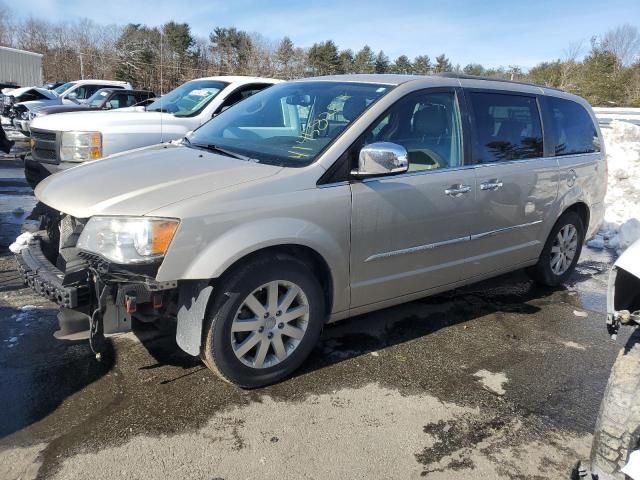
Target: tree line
point(605, 72)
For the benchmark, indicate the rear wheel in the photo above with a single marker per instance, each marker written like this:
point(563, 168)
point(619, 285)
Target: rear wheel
point(617, 431)
point(561, 251)
point(266, 318)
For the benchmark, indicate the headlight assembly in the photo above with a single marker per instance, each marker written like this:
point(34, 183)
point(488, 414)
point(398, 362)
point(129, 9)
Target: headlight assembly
point(128, 240)
point(80, 146)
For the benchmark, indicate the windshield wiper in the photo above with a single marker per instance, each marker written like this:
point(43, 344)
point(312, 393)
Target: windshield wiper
point(223, 151)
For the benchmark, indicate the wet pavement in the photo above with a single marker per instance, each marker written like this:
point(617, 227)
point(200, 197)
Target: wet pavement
point(501, 379)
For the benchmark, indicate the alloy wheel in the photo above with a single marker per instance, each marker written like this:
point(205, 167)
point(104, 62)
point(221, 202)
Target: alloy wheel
point(564, 249)
point(270, 324)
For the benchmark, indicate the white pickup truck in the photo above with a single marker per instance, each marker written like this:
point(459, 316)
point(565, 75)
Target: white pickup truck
point(62, 141)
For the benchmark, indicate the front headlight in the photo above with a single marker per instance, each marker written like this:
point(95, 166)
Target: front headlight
point(128, 239)
point(80, 146)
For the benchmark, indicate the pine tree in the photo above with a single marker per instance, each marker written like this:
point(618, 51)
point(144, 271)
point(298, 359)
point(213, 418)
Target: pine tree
point(442, 64)
point(422, 65)
point(381, 63)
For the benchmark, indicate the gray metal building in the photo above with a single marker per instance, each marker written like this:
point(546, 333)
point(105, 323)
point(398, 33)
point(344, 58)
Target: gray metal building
point(20, 67)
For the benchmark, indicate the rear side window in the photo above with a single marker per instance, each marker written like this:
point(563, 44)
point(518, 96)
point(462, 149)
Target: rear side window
point(507, 127)
point(573, 129)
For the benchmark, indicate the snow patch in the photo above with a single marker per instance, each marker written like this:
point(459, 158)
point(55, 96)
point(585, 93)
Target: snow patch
point(21, 242)
point(494, 382)
point(621, 226)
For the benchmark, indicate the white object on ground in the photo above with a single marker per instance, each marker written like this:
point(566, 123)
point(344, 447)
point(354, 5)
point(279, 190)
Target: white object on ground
point(494, 382)
point(21, 242)
point(621, 226)
point(632, 468)
point(28, 307)
point(580, 313)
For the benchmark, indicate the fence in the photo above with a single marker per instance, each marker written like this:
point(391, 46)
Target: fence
point(607, 115)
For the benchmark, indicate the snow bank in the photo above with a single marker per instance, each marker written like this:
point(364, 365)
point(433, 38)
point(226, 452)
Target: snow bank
point(621, 225)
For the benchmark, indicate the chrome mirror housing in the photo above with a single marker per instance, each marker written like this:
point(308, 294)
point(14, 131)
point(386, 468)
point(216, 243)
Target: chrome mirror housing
point(381, 158)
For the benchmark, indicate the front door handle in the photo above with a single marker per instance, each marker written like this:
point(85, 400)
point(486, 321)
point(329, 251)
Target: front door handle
point(457, 190)
point(491, 185)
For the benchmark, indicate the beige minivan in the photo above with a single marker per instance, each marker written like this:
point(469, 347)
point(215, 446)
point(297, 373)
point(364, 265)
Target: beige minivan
point(316, 200)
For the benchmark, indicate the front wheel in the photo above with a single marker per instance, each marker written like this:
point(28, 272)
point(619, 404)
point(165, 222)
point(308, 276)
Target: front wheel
point(617, 431)
point(561, 251)
point(266, 319)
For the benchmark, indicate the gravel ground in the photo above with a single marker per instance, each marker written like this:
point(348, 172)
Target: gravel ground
point(502, 379)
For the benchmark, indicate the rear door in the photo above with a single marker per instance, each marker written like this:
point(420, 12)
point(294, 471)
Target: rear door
point(516, 183)
point(576, 144)
point(409, 231)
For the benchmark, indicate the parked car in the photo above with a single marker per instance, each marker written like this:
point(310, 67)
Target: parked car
point(25, 94)
point(53, 85)
point(70, 93)
point(316, 200)
point(168, 118)
point(103, 99)
point(617, 433)
point(8, 86)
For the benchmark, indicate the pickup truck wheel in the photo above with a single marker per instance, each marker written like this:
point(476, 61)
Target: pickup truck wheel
point(617, 431)
point(266, 319)
point(561, 251)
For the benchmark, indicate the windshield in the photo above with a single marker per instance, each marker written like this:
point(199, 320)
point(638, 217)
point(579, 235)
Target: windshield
point(288, 124)
point(97, 99)
point(64, 87)
point(188, 99)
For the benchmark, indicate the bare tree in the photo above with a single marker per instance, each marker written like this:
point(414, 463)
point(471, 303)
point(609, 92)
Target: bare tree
point(623, 42)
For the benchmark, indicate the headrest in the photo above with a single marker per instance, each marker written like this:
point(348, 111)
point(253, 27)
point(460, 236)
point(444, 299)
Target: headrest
point(353, 107)
point(430, 120)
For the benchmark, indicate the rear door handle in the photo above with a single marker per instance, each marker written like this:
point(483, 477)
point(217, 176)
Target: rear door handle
point(491, 185)
point(457, 190)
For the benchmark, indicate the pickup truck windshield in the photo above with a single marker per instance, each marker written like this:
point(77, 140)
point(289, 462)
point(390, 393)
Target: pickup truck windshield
point(64, 87)
point(189, 98)
point(288, 124)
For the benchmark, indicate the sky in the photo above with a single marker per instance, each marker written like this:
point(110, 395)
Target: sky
point(491, 32)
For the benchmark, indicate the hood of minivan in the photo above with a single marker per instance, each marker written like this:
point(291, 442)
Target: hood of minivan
point(100, 119)
point(137, 182)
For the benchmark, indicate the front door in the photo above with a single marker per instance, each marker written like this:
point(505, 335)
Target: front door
point(516, 184)
point(409, 231)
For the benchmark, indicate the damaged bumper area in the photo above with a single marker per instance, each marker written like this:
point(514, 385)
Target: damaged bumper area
point(96, 298)
point(623, 300)
point(44, 278)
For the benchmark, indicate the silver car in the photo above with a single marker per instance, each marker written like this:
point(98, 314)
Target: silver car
point(316, 200)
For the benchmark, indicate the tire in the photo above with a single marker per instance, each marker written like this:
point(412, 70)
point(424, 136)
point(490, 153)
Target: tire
point(617, 431)
point(230, 303)
point(543, 272)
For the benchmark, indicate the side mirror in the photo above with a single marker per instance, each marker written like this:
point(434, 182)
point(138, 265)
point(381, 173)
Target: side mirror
point(381, 158)
point(72, 96)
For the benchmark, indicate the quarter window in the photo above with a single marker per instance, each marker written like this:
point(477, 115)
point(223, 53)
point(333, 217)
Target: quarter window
point(507, 127)
point(573, 129)
point(427, 125)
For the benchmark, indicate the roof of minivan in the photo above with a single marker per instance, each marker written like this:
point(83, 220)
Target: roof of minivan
point(447, 79)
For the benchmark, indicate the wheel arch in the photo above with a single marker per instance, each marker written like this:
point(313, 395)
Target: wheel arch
point(308, 255)
point(582, 209)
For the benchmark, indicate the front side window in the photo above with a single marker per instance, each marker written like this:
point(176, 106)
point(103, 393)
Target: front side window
point(507, 127)
point(189, 98)
point(288, 124)
point(573, 129)
point(427, 125)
